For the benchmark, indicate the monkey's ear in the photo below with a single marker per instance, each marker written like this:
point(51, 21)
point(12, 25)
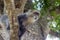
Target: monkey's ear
point(31, 12)
point(36, 13)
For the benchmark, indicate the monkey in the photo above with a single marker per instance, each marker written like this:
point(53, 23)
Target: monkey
point(27, 19)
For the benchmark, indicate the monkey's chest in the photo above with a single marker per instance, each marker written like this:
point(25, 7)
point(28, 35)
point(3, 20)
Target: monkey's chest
point(33, 28)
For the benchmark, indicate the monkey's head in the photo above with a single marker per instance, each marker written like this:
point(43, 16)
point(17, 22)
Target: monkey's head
point(32, 17)
point(29, 17)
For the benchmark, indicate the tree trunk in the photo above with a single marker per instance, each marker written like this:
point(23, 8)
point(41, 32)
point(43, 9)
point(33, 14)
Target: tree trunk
point(12, 15)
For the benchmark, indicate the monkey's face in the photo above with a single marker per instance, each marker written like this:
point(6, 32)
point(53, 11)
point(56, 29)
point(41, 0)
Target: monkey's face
point(36, 16)
point(30, 18)
point(33, 17)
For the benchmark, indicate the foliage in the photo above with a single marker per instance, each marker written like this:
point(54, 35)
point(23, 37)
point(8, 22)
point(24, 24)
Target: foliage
point(55, 26)
point(46, 5)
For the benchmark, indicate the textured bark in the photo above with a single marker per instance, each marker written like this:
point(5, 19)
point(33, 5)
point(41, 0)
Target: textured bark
point(12, 15)
point(1, 7)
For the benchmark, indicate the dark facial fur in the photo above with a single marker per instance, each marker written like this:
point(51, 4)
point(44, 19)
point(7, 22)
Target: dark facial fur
point(22, 28)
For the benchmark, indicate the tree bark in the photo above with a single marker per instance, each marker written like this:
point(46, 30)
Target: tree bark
point(1, 7)
point(12, 15)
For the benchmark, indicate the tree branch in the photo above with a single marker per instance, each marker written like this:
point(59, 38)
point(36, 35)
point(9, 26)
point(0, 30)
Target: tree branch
point(9, 4)
point(21, 4)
